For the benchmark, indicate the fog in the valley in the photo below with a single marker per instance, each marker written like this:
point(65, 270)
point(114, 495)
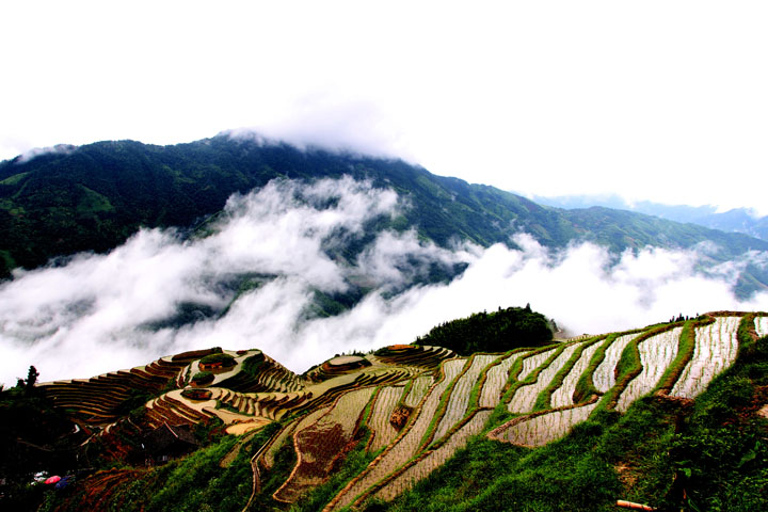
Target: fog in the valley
point(251, 277)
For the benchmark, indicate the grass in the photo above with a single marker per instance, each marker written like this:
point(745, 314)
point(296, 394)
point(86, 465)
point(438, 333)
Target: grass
point(195, 482)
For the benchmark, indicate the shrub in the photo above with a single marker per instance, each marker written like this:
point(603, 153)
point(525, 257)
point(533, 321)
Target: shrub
point(202, 378)
point(224, 359)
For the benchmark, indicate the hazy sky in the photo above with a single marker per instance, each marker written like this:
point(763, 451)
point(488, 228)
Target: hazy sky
point(652, 100)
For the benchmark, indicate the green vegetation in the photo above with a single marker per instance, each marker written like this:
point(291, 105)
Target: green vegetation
point(252, 364)
point(202, 377)
point(223, 359)
point(500, 331)
point(196, 482)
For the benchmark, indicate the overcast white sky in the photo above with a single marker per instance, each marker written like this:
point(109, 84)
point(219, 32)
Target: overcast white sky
point(652, 100)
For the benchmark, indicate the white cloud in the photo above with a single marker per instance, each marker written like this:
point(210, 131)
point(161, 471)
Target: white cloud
point(99, 313)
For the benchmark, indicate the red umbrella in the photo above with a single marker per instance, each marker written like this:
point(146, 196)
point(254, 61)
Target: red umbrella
point(53, 479)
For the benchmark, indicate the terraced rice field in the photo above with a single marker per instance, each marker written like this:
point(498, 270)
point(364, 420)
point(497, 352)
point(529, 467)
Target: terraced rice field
point(716, 349)
point(495, 379)
point(532, 362)
point(541, 429)
point(420, 404)
point(320, 443)
point(461, 392)
point(563, 396)
point(525, 397)
point(419, 388)
point(382, 430)
point(603, 377)
point(285, 434)
point(761, 325)
point(422, 467)
point(655, 355)
point(407, 444)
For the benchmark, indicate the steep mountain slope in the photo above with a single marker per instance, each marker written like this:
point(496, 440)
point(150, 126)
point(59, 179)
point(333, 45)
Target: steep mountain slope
point(91, 198)
point(363, 430)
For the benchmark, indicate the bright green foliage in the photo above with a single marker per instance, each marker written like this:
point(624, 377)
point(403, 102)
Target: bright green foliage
point(252, 364)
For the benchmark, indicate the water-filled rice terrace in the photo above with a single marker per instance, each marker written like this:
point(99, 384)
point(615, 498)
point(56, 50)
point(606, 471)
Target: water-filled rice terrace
point(412, 407)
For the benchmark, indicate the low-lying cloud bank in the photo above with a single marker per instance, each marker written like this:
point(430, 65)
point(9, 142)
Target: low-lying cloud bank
point(99, 313)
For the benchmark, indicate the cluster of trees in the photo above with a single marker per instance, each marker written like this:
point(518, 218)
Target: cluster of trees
point(499, 331)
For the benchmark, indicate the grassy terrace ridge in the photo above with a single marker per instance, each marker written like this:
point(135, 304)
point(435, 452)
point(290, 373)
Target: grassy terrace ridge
point(531, 378)
point(686, 348)
point(447, 409)
point(629, 365)
point(543, 401)
point(585, 387)
point(442, 406)
point(474, 397)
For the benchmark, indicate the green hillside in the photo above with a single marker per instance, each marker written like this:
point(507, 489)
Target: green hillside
point(670, 416)
point(93, 197)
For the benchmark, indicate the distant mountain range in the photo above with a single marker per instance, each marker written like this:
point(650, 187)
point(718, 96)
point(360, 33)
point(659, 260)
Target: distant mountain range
point(93, 197)
point(737, 220)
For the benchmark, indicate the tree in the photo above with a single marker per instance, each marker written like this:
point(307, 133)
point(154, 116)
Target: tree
point(28, 385)
point(32, 376)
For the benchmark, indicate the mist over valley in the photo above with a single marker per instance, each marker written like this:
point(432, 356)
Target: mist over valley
point(330, 253)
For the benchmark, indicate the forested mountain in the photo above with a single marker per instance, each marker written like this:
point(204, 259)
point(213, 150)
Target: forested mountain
point(91, 198)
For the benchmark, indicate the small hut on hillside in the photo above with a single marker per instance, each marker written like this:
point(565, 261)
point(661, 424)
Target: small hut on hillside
point(168, 442)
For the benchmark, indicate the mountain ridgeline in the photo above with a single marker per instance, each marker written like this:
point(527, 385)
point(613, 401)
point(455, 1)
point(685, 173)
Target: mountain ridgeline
point(738, 220)
point(93, 197)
